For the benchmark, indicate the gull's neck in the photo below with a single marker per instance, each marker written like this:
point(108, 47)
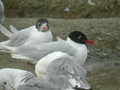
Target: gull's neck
point(81, 50)
point(74, 44)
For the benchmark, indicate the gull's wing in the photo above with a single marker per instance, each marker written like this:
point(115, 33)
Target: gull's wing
point(17, 38)
point(13, 29)
point(67, 67)
point(1, 12)
point(27, 87)
point(30, 28)
point(20, 37)
point(39, 51)
point(38, 84)
point(5, 31)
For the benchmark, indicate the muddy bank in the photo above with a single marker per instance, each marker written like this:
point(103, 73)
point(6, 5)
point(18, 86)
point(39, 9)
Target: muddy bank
point(55, 8)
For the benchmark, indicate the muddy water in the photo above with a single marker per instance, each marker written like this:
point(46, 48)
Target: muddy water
point(103, 69)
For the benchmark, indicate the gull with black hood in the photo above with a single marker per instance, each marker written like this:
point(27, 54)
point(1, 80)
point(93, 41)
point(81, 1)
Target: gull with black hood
point(74, 45)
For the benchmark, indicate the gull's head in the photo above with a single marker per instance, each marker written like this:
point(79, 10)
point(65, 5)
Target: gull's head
point(42, 25)
point(80, 38)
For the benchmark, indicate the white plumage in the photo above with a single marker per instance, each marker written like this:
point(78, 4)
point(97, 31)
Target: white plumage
point(33, 35)
point(12, 78)
point(58, 62)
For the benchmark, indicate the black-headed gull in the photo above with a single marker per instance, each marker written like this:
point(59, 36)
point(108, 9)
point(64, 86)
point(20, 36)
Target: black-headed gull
point(40, 33)
point(59, 64)
point(1, 12)
point(17, 79)
point(75, 45)
point(36, 34)
point(11, 78)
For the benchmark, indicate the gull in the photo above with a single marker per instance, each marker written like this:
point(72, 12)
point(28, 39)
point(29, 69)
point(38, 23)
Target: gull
point(59, 65)
point(36, 34)
point(17, 79)
point(75, 45)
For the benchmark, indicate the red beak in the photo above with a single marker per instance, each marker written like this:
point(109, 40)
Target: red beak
point(44, 28)
point(90, 42)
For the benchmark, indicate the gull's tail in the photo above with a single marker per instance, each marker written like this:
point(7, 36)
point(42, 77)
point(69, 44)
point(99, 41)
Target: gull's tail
point(81, 84)
point(13, 29)
point(2, 16)
point(5, 31)
point(6, 49)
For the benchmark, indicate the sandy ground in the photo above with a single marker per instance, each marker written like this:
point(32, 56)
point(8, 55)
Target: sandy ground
point(103, 63)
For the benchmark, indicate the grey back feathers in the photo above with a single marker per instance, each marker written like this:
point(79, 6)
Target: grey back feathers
point(66, 66)
point(64, 69)
point(37, 52)
point(18, 39)
point(38, 84)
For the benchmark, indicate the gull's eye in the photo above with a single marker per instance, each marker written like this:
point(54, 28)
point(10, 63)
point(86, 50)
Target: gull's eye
point(39, 24)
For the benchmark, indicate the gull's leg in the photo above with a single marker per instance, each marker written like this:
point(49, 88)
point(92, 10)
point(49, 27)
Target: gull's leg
point(28, 66)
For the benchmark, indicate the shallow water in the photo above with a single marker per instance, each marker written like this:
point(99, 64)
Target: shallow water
point(104, 71)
